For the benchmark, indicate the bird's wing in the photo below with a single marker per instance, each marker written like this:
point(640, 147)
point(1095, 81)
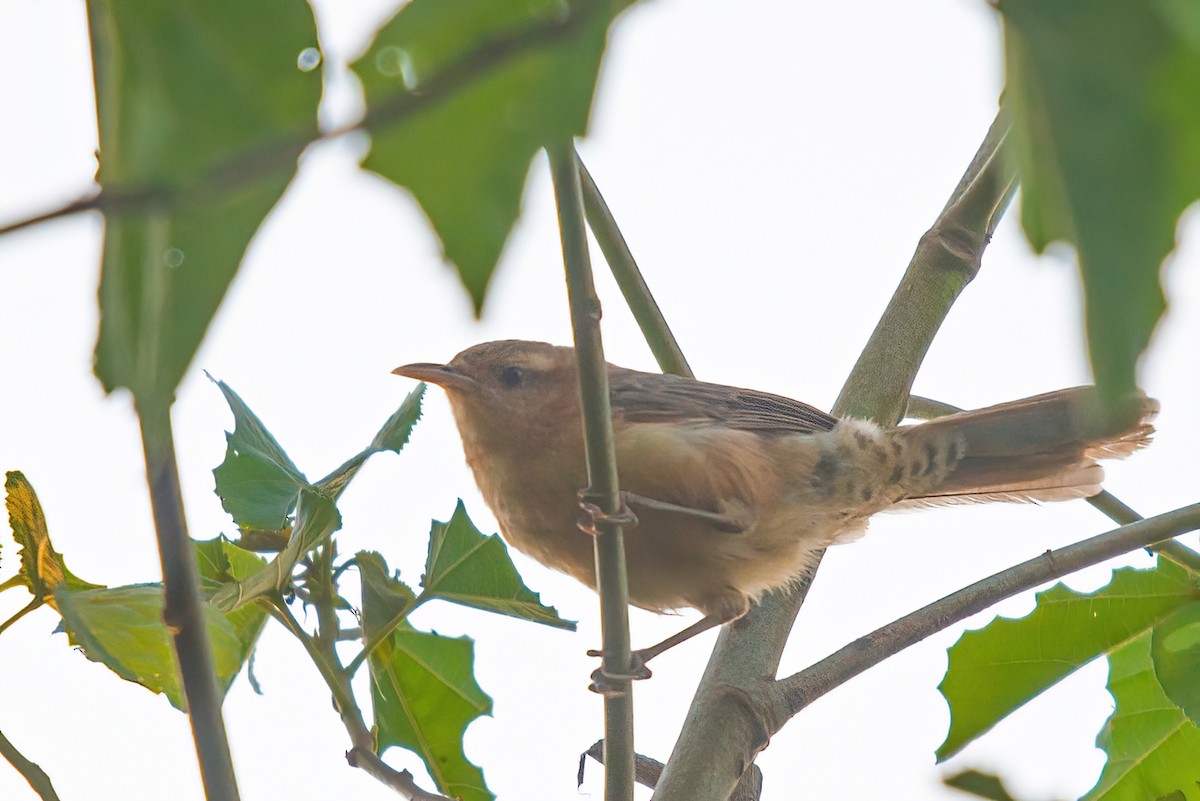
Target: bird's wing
point(639, 397)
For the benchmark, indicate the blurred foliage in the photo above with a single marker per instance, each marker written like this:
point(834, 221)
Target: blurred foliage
point(1150, 741)
point(1105, 104)
point(201, 103)
point(465, 158)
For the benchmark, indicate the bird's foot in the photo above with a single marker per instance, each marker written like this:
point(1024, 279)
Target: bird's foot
point(614, 684)
point(591, 512)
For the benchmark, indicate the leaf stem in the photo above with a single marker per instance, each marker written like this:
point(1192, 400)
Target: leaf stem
point(31, 771)
point(602, 473)
point(20, 613)
point(183, 611)
point(801, 689)
point(629, 278)
point(362, 751)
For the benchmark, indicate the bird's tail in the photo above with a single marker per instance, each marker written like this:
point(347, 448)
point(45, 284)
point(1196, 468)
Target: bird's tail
point(1043, 448)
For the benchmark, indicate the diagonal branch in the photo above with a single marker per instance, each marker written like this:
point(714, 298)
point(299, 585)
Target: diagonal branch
point(243, 168)
point(736, 705)
point(801, 689)
point(32, 772)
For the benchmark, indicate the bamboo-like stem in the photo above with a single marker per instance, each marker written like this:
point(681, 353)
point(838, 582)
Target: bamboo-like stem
point(362, 752)
point(737, 704)
point(244, 168)
point(183, 611)
point(602, 474)
point(31, 771)
point(801, 689)
point(947, 258)
point(629, 278)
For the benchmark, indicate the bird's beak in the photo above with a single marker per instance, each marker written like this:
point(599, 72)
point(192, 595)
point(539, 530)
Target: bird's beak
point(444, 375)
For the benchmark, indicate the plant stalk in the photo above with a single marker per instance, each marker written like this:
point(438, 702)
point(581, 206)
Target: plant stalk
point(183, 611)
point(603, 490)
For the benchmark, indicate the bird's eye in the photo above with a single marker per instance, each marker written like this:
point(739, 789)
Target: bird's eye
point(512, 376)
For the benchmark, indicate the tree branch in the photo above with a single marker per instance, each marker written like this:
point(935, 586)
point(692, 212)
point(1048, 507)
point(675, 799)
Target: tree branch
point(649, 770)
point(33, 773)
point(737, 703)
point(629, 278)
point(183, 611)
point(801, 689)
point(244, 168)
point(362, 743)
point(599, 445)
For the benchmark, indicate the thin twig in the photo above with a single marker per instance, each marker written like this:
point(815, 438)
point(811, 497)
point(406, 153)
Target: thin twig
point(649, 770)
point(362, 743)
point(629, 278)
point(20, 613)
point(801, 689)
point(735, 705)
point(33, 773)
point(183, 611)
point(243, 168)
point(599, 446)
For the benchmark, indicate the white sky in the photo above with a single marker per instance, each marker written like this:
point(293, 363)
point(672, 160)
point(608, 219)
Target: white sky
point(772, 166)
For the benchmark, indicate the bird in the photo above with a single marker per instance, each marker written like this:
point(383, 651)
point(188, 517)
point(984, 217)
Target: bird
point(737, 492)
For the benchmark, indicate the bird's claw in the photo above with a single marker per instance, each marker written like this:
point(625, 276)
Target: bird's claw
point(614, 684)
point(591, 513)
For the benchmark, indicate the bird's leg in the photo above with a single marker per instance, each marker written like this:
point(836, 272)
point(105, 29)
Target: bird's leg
point(719, 521)
point(603, 683)
point(590, 512)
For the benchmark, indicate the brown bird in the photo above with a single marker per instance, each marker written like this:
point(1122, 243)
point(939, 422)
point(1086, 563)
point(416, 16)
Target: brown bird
point(736, 491)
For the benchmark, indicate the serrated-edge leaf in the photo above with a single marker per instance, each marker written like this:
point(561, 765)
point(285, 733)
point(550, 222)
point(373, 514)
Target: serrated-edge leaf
point(392, 436)
point(1022, 657)
point(1175, 650)
point(426, 708)
point(316, 519)
point(459, 553)
point(1153, 748)
point(539, 91)
point(251, 443)
point(383, 596)
point(42, 568)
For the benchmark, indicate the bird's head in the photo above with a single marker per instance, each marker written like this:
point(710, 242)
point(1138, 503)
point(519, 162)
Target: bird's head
point(510, 391)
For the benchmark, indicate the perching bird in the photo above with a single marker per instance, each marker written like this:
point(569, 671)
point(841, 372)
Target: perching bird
point(736, 491)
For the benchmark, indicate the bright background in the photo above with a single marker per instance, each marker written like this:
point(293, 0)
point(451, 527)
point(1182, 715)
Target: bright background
point(772, 166)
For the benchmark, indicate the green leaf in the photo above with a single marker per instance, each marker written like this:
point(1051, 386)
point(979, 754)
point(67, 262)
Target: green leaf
point(994, 670)
point(982, 785)
point(386, 600)
point(316, 518)
point(123, 629)
point(257, 483)
point(220, 560)
point(1153, 749)
point(191, 95)
point(468, 568)
point(42, 568)
point(423, 690)
point(465, 155)
point(1105, 103)
point(1176, 653)
point(392, 437)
